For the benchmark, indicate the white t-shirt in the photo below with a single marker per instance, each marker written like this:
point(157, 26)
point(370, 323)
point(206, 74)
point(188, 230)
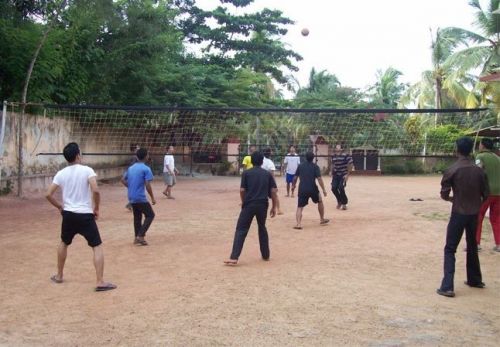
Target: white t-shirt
point(268, 165)
point(292, 162)
point(74, 183)
point(168, 160)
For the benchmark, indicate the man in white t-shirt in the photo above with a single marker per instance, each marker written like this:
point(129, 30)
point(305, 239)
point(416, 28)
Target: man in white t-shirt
point(169, 172)
point(290, 165)
point(268, 165)
point(80, 209)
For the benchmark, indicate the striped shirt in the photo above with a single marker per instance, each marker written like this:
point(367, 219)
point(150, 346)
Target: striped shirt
point(340, 164)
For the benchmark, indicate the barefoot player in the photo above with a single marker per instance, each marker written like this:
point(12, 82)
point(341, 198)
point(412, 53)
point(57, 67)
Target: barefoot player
point(79, 210)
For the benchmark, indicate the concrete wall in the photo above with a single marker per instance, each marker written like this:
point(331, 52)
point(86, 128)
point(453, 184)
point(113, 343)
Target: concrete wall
point(50, 135)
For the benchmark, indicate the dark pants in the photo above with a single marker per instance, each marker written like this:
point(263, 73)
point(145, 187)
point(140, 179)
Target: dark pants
point(338, 189)
point(454, 233)
point(139, 209)
point(259, 210)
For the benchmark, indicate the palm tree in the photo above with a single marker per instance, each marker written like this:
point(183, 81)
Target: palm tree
point(442, 85)
point(387, 90)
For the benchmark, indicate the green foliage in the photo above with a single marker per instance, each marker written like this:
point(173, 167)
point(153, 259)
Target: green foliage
point(401, 166)
point(442, 138)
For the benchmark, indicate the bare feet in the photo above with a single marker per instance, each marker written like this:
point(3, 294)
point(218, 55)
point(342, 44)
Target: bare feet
point(56, 279)
point(231, 262)
point(339, 206)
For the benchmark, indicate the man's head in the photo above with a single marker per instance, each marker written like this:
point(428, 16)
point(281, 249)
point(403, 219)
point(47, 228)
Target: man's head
point(257, 158)
point(251, 150)
point(292, 149)
point(141, 154)
point(464, 145)
point(267, 152)
point(170, 149)
point(486, 143)
point(71, 152)
point(309, 156)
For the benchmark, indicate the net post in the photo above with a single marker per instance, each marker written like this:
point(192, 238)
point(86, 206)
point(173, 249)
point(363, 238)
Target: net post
point(20, 151)
point(2, 134)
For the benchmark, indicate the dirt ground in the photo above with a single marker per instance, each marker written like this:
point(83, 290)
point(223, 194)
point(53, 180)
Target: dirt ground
point(367, 279)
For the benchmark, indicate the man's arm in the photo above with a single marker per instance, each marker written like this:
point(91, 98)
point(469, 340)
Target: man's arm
point(50, 196)
point(322, 185)
point(242, 195)
point(150, 192)
point(446, 184)
point(96, 196)
point(124, 182)
point(274, 199)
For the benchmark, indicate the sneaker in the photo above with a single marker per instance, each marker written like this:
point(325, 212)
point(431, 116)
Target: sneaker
point(448, 293)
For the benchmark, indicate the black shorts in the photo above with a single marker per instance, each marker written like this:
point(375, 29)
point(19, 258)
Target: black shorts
point(80, 223)
point(304, 198)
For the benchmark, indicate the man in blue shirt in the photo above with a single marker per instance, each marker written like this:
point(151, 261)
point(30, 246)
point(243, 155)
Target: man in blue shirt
point(137, 179)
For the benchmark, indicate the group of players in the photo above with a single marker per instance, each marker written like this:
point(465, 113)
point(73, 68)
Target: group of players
point(475, 187)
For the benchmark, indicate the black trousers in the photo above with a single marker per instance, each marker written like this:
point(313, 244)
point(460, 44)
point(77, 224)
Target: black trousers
point(259, 210)
point(456, 225)
point(139, 209)
point(338, 189)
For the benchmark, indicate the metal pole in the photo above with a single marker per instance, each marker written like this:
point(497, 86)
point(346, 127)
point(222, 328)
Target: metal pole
point(2, 134)
point(20, 152)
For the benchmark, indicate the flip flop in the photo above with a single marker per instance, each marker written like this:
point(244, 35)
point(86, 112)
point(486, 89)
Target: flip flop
point(324, 221)
point(141, 242)
point(107, 286)
point(231, 262)
point(298, 228)
point(55, 280)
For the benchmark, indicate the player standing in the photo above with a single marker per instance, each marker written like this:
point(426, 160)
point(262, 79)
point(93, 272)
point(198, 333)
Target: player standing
point(290, 165)
point(308, 173)
point(79, 210)
point(169, 172)
point(136, 179)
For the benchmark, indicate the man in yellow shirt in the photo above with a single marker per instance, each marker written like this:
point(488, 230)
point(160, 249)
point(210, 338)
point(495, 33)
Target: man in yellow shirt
point(247, 160)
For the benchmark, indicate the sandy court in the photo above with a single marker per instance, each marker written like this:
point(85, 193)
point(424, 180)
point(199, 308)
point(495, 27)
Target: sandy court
point(367, 279)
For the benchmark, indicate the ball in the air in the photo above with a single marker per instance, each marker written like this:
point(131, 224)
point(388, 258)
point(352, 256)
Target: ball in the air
point(305, 32)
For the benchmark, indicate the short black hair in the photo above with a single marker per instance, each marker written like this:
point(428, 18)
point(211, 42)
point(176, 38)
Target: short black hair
point(487, 143)
point(309, 156)
point(267, 152)
point(464, 145)
point(141, 153)
point(71, 150)
point(257, 158)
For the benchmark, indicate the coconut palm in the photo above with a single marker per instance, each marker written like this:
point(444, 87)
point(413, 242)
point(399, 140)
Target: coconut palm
point(387, 90)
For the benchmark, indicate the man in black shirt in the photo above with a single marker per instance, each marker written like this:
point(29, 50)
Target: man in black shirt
point(470, 189)
point(257, 186)
point(308, 172)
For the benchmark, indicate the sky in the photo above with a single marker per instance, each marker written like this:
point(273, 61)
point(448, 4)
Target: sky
point(354, 39)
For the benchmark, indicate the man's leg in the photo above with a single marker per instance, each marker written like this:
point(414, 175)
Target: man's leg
point(137, 219)
point(321, 210)
point(99, 264)
point(62, 252)
point(298, 216)
point(335, 190)
point(149, 215)
point(242, 227)
point(495, 219)
point(454, 233)
point(473, 267)
point(261, 215)
point(287, 188)
point(342, 194)
point(480, 218)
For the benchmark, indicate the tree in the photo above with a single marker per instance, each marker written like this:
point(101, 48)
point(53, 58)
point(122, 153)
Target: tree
point(387, 90)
